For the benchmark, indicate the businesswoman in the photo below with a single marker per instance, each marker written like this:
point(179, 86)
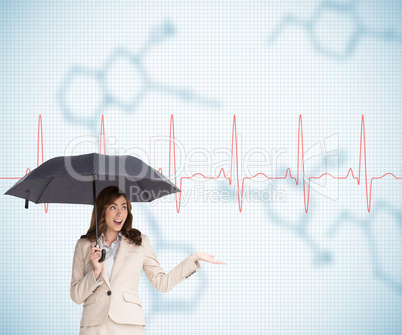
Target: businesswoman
point(109, 290)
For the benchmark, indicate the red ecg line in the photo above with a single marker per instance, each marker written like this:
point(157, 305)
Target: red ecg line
point(40, 132)
point(230, 178)
point(288, 171)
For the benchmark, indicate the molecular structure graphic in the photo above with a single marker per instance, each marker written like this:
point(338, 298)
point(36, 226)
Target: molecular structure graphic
point(122, 82)
point(301, 227)
point(339, 38)
point(324, 154)
point(367, 226)
point(323, 157)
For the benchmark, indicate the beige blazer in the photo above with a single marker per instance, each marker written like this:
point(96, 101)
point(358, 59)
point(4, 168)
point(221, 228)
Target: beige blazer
point(118, 297)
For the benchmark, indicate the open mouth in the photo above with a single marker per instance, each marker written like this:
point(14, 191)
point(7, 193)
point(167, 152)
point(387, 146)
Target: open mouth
point(118, 222)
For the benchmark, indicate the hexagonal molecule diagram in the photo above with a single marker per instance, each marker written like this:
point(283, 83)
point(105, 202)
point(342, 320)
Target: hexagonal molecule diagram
point(382, 231)
point(326, 156)
point(336, 27)
point(121, 82)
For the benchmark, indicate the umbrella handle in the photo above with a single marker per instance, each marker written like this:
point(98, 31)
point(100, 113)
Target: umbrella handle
point(103, 256)
point(103, 252)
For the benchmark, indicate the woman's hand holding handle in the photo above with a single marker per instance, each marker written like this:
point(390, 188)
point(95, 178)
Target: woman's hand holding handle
point(95, 255)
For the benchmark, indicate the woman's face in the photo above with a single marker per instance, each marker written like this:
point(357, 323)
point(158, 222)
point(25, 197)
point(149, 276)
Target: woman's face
point(116, 214)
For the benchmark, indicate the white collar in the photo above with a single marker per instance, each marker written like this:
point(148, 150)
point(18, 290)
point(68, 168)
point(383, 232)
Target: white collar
point(103, 238)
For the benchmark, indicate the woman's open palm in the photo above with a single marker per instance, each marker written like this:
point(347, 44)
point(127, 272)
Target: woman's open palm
point(202, 256)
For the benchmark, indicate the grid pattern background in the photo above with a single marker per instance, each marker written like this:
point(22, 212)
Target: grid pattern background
point(333, 270)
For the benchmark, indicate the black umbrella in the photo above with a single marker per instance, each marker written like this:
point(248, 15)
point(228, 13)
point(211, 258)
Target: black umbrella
point(79, 179)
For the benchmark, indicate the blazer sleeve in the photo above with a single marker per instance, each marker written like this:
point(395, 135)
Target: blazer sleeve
point(159, 279)
point(82, 284)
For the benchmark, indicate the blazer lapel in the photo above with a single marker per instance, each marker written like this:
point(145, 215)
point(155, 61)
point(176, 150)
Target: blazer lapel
point(121, 255)
point(104, 273)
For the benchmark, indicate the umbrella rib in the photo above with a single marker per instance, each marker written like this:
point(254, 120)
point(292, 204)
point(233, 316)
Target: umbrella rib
point(142, 189)
point(44, 189)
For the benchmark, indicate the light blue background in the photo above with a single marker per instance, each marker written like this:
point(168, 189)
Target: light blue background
point(333, 270)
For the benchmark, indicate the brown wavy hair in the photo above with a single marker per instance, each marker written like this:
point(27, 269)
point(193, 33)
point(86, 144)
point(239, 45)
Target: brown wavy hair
point(104, 199)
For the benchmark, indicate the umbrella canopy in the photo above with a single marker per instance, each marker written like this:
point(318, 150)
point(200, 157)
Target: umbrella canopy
point(69, 179)
point(79, 180)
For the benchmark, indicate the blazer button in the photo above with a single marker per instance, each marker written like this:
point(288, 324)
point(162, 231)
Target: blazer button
point(109, 292)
